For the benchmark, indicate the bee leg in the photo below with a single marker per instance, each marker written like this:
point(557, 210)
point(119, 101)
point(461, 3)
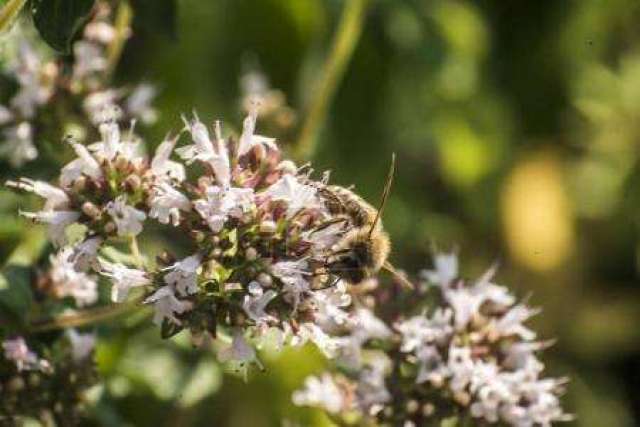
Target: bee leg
point(331, 285)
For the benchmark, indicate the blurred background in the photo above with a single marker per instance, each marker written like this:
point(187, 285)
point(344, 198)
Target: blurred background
point(517, 131)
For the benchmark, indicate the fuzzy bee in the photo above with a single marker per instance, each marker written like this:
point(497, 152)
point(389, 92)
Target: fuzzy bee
point(363, 250)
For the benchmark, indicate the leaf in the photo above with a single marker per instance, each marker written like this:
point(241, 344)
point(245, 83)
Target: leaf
point(155, 17)
point(15, 295)
point(58, 21)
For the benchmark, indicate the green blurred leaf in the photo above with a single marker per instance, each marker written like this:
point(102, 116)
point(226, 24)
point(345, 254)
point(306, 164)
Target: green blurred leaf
point(15, 295)
point(58, 21)
point(156, 17)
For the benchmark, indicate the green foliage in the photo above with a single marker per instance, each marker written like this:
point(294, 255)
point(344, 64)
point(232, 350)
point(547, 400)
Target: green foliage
point(158, 17)
point(15, 296)
point(59, 21)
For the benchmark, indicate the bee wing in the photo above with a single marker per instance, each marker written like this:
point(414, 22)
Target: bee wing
point(400, 277)
point(385, 193)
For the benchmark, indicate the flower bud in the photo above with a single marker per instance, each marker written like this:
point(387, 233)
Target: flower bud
point(91, 210)
point(251, 254)
point(268, 227)
point(265, 280)
point(110, 227)
point(132, 183)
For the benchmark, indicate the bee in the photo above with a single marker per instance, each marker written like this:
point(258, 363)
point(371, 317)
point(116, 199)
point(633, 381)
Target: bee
point(363, 250)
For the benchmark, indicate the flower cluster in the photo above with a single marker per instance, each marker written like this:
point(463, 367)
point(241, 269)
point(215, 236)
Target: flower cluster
point(52, 389)
point(259, 231)
point(41, 79)
point(469, 353)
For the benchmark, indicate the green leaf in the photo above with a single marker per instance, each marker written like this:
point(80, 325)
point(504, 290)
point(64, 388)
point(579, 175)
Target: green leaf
point(59, 21)
point(155, 17)
point(15, 296)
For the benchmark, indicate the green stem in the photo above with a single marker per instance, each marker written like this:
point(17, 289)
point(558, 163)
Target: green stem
point(135, 252)
point(85, 317)
point(344, 43)
point(122, 23)
point(9, 13)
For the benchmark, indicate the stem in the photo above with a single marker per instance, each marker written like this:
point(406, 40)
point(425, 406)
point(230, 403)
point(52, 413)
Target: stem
point(9, 13)
point(344, 43)
point(135, 251)
point(124, 15)
point(85, 317)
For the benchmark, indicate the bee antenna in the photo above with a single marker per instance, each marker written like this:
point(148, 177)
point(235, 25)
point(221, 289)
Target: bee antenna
point(385, 193)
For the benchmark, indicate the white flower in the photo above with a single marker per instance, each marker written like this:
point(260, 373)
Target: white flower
point(368, 326)
point(162, 167)
point(88, 58)
point(166, 305)
point(166, 203)
point(138, 103)
point(510, 323)
point(465, 304)
point(432, 367)
point(248, 139)
point(81, 344)
point(55, 198)
point(17, 351)
point(68, 282)
point(363, 326)
point(58, 222)
point(421, 330)
point(123, 279)
point(311, 332)
point(110, 142)
point(256, 302)
point(239, 351)
point(297, 195)
point(222, 204)
point(101, 106)
point(184, 275)
point(18, 146)
point(101, 32)
point(372, 390)
point(320, 392)
point(496, 294)
point(204, 150)
point(84, 254)
point(461, 367)
point(293, 275)
point(33, 91)
point(491, 392)
point(466, 301)
point(84, 164)
point(518, 354)
point(127, 218)
point(330, 303)
point(446, 270)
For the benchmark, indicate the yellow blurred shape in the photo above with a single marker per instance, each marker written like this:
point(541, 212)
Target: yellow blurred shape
point(536, 213)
